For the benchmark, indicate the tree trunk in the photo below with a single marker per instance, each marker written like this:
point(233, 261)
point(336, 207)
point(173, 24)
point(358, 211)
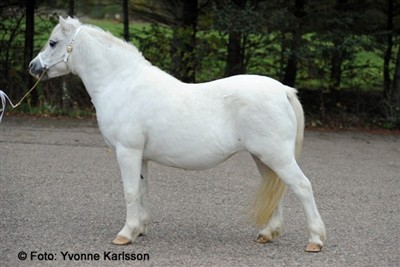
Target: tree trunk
point(336, 68)
point(337, 55)
point(290, 71)
point(291, 66)
point(125, 9)
point(184, 43)
point(235, 55)
point(71, 8)
point(388, 53)
point(396, 81)
point(28, 48)
point(236, 52)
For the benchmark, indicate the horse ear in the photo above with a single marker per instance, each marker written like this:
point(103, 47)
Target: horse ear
point(61, 20)
point(65, 26)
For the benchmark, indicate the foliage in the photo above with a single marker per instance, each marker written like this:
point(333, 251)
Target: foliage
point(160, 53)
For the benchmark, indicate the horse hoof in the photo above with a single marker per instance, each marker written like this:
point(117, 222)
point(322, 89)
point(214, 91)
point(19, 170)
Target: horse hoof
point(312, 247)
point(120, 240)
point(262, 239)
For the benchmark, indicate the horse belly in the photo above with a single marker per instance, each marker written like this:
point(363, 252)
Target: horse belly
point(192, 151)
point(187, 162)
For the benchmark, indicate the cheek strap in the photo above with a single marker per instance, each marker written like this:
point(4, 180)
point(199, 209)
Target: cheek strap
point(64, 57)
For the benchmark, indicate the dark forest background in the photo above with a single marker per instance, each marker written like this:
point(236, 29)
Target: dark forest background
point(342, 55)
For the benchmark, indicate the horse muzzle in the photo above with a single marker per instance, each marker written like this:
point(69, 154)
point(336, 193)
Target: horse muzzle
point(36, 68)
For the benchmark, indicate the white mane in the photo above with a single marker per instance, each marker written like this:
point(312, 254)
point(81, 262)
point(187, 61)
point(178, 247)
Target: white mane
point(109, 36)
point(98, 32)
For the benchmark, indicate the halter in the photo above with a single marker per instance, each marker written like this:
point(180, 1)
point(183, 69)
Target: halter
point(64, 58)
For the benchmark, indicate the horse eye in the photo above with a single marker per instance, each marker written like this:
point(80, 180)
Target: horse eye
point(52, 44)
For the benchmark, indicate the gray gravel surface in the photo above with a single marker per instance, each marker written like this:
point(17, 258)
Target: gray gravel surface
point(61, 192)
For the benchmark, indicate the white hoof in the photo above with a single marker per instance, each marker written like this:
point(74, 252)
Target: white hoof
point(312, 247)
point(121, 241)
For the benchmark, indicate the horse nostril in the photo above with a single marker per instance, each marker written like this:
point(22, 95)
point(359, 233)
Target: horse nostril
point(33, 68)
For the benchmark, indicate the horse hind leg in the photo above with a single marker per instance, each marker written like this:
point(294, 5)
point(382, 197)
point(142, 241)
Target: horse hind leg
point(268, 209)
point(292, 176)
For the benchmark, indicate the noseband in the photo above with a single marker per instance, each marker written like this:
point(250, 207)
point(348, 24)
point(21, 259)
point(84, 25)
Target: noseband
point(64, 58)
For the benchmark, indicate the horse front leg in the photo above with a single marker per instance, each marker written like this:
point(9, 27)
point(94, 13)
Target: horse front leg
point(130, 161)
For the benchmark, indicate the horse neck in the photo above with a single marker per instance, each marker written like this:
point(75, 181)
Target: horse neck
point(99, 57)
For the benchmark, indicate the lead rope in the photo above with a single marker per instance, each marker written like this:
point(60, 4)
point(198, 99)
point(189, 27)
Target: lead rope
point(4, 97)
point(64, 59)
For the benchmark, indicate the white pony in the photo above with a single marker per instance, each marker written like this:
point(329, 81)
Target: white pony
point(146, 114)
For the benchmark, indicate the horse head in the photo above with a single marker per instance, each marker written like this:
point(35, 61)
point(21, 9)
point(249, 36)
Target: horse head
point(53, 59)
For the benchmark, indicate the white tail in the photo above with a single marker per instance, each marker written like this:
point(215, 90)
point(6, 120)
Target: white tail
point(272, 188)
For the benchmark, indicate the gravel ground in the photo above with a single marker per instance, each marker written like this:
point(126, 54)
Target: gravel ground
point(61, 193)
